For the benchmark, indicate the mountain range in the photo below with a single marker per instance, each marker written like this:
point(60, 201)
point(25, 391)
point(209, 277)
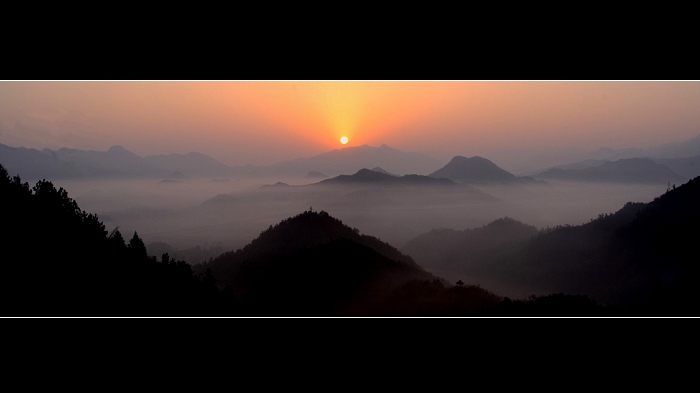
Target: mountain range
point(631, 170)
point(119, 162)
point(366, 176)
point(71, 163)
point(687, 167)
point(673, 162)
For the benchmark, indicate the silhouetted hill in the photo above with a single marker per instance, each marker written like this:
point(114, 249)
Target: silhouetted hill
point(310, 264)
point(439, 249)
point(476, 170)
point(314, 264)
point(60, 261)
point(627, 255)
point(35, 164)
point(191, 164)
point(475, 256)
point(640, 257)
point(632, 170)
point(366, 176)
point(310, 229)
point(363, 189)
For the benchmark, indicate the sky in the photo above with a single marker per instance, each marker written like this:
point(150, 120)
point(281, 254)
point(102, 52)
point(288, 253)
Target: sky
point(264, 122)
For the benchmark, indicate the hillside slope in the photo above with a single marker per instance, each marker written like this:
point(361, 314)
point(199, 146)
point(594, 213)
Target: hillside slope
point(313, 264)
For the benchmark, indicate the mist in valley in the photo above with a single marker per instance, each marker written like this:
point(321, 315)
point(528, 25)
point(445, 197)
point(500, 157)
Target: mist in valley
point(229, 214)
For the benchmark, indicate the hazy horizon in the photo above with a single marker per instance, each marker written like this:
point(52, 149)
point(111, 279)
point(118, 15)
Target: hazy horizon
point(263, 123)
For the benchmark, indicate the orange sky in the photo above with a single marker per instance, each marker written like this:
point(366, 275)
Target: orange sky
point(267, 122)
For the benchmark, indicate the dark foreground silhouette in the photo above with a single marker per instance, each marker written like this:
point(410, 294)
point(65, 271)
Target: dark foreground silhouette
point(60, 261)
point(642, 258)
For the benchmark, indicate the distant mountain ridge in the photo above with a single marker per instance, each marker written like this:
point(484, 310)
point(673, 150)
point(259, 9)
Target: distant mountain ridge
point(72, 163)
point(631, 170)
point(534, 161)
point(351, 159)
point(688, 167)
point(366, 188)
point(366, 176)
point(119, 162)
point(191, 164)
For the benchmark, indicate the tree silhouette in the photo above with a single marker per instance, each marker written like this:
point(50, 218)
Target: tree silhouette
point(137, 248)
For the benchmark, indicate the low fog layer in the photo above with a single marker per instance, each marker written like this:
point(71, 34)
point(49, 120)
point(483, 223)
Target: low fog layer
point(229, 214)
point(193, 206)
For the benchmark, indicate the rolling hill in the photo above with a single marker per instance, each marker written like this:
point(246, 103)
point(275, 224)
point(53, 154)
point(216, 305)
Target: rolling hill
point(640, 257)
point(313, 264)
point(477, 170)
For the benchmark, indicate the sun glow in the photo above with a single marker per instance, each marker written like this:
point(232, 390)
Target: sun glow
point(344, 140)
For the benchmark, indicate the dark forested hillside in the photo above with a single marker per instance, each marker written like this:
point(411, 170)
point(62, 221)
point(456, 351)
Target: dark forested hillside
point(60, 261)
point(315, 264)
point(641, 257)
point(480, 245)
point(629, 258)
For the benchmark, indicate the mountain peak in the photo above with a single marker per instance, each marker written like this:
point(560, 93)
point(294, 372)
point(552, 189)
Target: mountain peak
point(313, 228)
point(122, 153)
point(473, 169)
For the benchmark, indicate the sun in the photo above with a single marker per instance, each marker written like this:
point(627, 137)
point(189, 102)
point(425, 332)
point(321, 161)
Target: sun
point(344, 140)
